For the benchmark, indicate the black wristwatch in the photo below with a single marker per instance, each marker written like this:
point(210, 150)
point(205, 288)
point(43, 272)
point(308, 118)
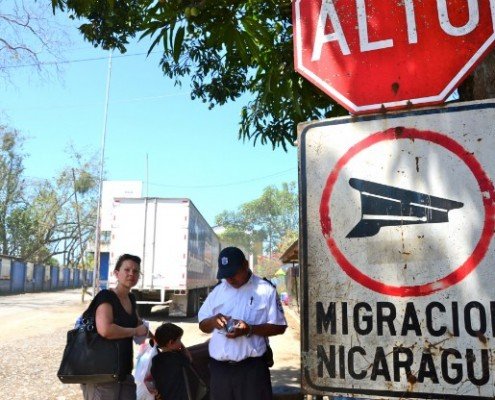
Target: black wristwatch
point(250, 330)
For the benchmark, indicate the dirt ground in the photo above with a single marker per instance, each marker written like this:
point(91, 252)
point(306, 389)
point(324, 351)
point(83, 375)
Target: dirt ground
point(33, 337)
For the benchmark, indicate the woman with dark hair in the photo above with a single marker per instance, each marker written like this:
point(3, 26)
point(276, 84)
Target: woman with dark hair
point(116, 318)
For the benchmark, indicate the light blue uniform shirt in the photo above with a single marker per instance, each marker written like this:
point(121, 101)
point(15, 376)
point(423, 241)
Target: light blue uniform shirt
point(256, 302)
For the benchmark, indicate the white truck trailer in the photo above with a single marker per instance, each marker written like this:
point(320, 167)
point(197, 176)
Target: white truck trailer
point(178, 249)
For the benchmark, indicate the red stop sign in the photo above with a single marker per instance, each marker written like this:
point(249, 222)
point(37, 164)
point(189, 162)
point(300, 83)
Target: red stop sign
point(372, 55)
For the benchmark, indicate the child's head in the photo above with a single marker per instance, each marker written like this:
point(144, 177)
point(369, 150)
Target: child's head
point(169, 335)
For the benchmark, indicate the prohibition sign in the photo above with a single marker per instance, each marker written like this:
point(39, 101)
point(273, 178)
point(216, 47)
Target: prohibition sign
point(488, 197)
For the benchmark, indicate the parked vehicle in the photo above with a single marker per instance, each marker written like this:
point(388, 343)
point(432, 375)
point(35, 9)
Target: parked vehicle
point(178, 249)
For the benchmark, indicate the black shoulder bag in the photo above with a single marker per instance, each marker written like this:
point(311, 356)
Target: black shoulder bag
point(268, 355)
point(88, 357)
point(195, 386)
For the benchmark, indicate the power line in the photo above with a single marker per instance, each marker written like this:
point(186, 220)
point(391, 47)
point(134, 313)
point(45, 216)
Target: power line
point(74, 61)
point(34, 178)
point(223, 184)
point(157, 97)
point(116, 101)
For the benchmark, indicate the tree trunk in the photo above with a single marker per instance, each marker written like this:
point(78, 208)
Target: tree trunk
point(481, 83)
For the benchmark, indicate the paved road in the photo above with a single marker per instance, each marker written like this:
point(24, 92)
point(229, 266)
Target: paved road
point(32, 340)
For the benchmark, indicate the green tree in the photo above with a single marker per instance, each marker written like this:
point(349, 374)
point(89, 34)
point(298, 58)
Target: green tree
point(266, 220)
point(12, 201)
point(287, 240)
point(39, 220)
point(59, 219)
point(274, 213)
point(237, 232)
point(30, 229)
point(227, 47)
point(266, 266)
point(76, 191)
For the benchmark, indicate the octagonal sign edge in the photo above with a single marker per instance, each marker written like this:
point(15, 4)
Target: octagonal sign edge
point(337, 48)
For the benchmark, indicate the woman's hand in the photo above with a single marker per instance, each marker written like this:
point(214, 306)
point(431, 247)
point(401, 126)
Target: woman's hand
point(141, 330)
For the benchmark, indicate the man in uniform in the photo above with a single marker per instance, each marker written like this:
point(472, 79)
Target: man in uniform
point(241, 312)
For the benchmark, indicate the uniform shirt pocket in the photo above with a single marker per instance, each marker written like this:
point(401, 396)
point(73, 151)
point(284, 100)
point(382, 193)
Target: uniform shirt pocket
point(256, 312)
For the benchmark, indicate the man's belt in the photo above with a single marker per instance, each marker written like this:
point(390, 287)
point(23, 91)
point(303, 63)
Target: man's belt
point(230, 362)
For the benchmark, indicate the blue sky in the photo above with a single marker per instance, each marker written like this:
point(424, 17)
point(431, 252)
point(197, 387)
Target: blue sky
point(192, 151)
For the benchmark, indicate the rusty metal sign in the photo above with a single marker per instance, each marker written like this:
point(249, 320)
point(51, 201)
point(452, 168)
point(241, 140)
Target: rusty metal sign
point(398, 218)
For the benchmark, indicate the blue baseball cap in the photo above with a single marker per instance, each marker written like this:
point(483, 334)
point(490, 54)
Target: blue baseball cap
point(229, 261)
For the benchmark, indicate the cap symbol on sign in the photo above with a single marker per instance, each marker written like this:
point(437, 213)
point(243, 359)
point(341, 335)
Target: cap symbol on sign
point(383, 205)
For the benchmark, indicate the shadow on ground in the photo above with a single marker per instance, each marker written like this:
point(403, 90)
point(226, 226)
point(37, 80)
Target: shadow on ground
point(286, 376)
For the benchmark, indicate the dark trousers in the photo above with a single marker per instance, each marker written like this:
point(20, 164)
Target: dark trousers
point(245, 380)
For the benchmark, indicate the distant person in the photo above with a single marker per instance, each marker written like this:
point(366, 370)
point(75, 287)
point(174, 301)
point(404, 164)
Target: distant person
point(169, 367)
point(116, 319)
point(242, 311)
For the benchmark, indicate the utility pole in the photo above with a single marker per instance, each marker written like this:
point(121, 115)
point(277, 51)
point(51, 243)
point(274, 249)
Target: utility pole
point(96, 272)
point(79, 234)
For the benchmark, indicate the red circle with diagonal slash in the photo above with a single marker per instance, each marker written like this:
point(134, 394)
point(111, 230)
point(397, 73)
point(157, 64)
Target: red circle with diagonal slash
point(485, 186)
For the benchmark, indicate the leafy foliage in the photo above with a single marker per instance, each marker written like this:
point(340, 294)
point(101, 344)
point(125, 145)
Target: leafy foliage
point(76, 191)
point(266, 267)
point(12, 201)
point(41, 219)
point(228, 48)
point(287, 240)
point(265, 220)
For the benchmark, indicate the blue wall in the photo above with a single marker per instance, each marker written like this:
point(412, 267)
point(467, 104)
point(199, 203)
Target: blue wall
point(41, 281)
point(17, 277)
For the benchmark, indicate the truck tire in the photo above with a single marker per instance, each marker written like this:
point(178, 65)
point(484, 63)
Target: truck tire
point(192, 303)
point(144, 310)
point(203, 294)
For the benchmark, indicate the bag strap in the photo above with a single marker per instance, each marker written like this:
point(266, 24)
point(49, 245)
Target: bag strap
point(270, 282)
point(201, 383)
point(186, 381)
point(91, 310)
point(195, 373)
